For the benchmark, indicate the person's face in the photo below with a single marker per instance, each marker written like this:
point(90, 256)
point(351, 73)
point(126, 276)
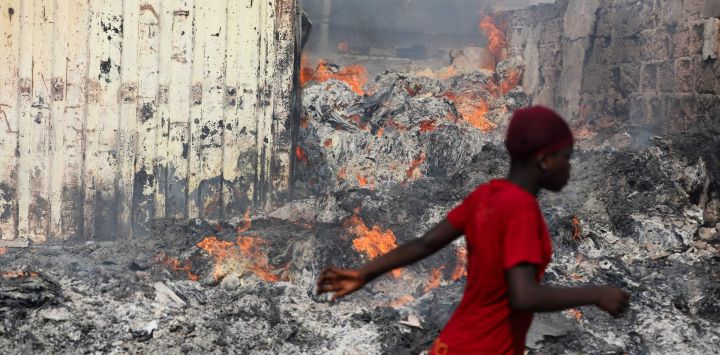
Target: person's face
point(555, 169)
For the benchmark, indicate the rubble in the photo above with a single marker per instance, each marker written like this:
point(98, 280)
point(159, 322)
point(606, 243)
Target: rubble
point(387, 161)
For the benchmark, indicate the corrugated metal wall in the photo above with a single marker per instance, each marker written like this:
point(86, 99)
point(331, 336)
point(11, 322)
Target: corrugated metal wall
point(115, 112)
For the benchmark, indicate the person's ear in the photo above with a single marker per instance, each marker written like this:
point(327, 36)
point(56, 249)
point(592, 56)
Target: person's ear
point(542, 163)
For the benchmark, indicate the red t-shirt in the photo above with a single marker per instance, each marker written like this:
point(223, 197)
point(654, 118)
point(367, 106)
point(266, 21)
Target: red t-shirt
point(503, 227)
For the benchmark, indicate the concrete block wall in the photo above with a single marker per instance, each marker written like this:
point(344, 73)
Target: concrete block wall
point(635, 62)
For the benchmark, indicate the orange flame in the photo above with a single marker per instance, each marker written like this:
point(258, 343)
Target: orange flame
point(176, 265)
point(3, 250)
point(511, 81)
point(495, 38)
point(372, 241)
point(245, 254)
point(15, 274)
point(577, 229)
point(401, 301)
point(380, 132)
point(300, 154)
point(355, 76)
point(251, 247)
point(434, 279)
point(461, 264)
point(473, 111)
point(361, 180)
point(575, 313)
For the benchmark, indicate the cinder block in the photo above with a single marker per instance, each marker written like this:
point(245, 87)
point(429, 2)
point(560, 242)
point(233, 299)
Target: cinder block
point(685, 71)
point(711, 38)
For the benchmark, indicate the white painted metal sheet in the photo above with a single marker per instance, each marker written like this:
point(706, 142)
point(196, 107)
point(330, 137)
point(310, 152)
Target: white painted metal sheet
point(115, 112)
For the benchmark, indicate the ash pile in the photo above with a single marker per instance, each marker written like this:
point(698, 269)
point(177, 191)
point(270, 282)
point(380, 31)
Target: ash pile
point(374, 169)
point(640, 213)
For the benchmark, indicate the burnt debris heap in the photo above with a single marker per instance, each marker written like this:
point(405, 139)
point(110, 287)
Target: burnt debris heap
point(379, 160)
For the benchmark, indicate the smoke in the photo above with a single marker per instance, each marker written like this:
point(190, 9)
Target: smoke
point(400, 35)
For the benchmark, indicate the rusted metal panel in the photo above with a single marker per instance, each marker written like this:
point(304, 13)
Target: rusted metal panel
point(118, 112)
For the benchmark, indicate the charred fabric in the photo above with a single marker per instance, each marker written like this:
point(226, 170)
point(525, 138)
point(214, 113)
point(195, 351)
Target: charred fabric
point(377, 163)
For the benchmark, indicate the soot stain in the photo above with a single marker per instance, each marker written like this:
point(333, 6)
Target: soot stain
point(185, 150)
point(147, 111)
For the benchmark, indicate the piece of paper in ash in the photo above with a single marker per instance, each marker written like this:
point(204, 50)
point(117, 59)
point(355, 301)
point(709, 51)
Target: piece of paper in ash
point(412, 321)
point(164, 295)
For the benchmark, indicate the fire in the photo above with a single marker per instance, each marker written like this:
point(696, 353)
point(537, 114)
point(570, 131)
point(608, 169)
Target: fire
point(300, 154)
point(251, 248)
point(575, 313)
point(361, 180)
point(328, 143)
point(374, 241)
point(427, 126)
point(473, 111)
point(461, 264)
point(355, 76)
point(434, 279)
point(15, 274)
point(577, 229)
point(401, 301)
point(304, 120)
point(414, 166)
point(513, 79)
point(343, 47)
point(495, 38)
point(176, 265)
point(245, 254)
point(380, 132)
point(3, 250)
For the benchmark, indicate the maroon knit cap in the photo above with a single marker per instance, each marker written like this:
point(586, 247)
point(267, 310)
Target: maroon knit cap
point(536, 130)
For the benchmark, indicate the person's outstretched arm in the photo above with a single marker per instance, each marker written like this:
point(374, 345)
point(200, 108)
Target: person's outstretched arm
point(526, 294)
point(343, 282)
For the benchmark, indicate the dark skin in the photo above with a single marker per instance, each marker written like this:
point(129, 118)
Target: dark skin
point(550, 172)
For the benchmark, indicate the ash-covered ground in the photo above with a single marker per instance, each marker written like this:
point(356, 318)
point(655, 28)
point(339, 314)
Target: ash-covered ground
point(375, 170)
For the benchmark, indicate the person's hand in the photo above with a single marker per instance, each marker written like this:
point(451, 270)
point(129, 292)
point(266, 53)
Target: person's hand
point(340, 281)
point(613, 300)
